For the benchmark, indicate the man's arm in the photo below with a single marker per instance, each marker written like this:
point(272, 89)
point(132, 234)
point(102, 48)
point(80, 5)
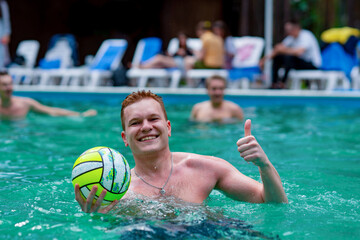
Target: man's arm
point(273, 53)
point(53, 111)
point(279, 49)
point(282, 49)
point(243, 188)
point(251, 151)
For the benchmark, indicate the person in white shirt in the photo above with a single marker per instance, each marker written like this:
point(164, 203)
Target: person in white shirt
point(299, 50)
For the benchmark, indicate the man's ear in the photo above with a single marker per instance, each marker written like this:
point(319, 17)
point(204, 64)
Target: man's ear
point(169, 128)
point(123, 135)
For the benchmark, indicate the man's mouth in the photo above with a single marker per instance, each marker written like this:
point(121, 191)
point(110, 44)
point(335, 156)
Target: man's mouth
point(147, 138)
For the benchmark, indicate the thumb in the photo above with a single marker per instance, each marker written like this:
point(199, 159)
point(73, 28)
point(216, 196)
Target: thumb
point(247, 128)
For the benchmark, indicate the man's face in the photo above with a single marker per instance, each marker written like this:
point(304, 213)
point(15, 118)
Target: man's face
point(6, 86)
point(146, 129)
point(215, 90)
point(291, 29)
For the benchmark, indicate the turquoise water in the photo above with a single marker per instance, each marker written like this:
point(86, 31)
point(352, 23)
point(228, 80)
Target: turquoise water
point(314, 144)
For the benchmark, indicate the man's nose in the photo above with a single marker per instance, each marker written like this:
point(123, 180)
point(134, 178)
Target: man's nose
point(146, 126)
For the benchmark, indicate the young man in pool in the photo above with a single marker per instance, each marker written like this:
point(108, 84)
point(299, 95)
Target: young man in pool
point(12, 107)
point(158, 172)
point(216, 109)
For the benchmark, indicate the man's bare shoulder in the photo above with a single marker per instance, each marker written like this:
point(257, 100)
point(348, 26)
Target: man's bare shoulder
point(231, 104)
point(194, 160)
point(201, 104)
point(25, 100)
point(199, 107)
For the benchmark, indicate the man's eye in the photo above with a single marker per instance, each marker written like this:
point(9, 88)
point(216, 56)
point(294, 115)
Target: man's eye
point(134, 123)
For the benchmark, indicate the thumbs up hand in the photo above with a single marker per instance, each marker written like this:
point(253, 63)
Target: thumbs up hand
point(250, 149)
point(247, 128)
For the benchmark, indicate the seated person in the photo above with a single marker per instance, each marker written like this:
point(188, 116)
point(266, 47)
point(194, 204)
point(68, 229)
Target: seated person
point(170, 61)
point(13, 108)
point(216, 109)
point(299, 50)
point(211, 55)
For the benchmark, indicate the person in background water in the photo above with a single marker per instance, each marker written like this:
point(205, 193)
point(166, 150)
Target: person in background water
point(220, 28)
point(299, 50)
point(190, 177)
point(14, 108)
point(5, 31)
point(216, 109)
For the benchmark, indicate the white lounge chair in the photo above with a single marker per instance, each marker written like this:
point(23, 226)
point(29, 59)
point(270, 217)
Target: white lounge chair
point(163, 76)
point(106, 61)
point(29, 50)
point(328, 80)
point(57, 58)
point(101, 68)
point(334, 72)
point(145, 50)
point(355, 78)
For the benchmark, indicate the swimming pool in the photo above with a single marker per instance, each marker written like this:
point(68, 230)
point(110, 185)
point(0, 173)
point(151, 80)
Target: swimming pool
point(313, 142)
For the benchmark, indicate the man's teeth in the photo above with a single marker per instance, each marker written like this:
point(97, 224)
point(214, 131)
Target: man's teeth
point(147, 138)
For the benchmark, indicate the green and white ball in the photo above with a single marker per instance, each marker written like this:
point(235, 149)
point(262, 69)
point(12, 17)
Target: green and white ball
point(104, 167)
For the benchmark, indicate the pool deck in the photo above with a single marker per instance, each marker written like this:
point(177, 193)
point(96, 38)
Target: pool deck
point(193, 91)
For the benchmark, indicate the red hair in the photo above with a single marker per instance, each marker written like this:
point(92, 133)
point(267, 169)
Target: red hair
point(137, 97)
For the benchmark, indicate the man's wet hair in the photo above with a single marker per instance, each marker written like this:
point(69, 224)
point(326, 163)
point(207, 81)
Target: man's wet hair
point(213, 77)
point(137, 97)
point(294, 21)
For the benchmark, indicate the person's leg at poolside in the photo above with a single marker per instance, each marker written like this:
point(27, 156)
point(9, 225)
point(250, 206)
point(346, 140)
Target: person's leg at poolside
point(278, 63)
point(293, 62)
point(159, 61)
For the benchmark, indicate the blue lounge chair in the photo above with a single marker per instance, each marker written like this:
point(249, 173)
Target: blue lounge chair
point(107, 59)
point(59, 56)
point(146, 49)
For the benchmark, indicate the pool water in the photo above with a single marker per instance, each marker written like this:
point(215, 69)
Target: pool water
point(313, 145)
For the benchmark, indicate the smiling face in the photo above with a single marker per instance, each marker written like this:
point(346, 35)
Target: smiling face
point(146, 128)
point(6, 86)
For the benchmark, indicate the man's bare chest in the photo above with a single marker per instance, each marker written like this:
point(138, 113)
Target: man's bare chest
point(16, 110)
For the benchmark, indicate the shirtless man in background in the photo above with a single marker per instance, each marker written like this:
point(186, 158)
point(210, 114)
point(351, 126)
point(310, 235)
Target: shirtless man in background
point(216, 109)
point(14, 108)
